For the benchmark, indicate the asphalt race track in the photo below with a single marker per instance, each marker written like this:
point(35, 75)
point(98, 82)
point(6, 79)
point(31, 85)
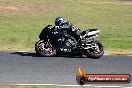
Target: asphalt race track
point(28, 68)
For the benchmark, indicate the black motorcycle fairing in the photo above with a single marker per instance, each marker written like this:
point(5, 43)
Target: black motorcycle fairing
point(59, 39)
point(67, 45)
point(52, 34)
point(63, 48)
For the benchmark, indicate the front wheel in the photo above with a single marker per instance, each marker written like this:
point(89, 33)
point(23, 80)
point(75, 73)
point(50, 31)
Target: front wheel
point(41, 49)
point(95, 52)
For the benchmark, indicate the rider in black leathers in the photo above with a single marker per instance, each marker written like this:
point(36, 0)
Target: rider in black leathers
point(62, 25)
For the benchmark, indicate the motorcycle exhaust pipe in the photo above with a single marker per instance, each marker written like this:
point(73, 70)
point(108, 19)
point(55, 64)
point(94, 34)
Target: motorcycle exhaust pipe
point(93, 33)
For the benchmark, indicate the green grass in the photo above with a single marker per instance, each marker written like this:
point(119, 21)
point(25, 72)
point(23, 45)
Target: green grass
point(21, 27)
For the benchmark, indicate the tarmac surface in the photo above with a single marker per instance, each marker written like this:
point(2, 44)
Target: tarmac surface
point(28, 68)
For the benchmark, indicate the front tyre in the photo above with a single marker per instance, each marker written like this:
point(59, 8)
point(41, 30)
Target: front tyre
point(95, 52)
point(40, 48)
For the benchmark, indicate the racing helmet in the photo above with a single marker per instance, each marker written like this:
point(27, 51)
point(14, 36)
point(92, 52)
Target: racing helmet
point(59, 21)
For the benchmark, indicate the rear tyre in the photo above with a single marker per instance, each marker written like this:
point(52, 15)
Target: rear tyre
point(95, 53)
point(44, 51)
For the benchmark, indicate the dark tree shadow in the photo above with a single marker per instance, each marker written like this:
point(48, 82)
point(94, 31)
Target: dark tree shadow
point(33, 54)
point(26, 54)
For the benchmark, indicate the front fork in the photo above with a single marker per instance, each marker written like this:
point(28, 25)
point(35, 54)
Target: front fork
point(46, 43)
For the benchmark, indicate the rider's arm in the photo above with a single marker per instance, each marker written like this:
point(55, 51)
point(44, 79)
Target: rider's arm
point(65, 25)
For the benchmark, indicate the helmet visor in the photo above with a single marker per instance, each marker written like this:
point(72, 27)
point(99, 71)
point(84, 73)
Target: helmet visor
point(57, 23)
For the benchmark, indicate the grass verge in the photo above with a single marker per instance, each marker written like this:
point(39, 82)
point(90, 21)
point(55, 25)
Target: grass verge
point(21, 21)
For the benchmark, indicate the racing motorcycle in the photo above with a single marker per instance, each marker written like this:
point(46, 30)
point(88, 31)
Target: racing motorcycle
point(53, 42)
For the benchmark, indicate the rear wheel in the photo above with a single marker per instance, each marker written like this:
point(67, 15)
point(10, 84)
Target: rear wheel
point(95, 52)
point(43, 50)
